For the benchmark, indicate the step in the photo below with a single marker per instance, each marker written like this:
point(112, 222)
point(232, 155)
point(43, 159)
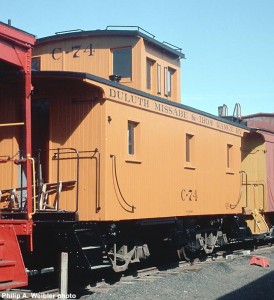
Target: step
point(82, 230)
point(7, 263)
point(11, 285)
point(91, 247)
point(7, 269)
point(100, 267)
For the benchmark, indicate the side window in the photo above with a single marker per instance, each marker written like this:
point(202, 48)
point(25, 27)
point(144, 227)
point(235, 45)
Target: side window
point(149, 67)
point(132, 137)
point(122, 62)
point(36, 63)
point(229, 161)
point(159, 78)
point(189, 148)
point(190, 151)
point(169, 72)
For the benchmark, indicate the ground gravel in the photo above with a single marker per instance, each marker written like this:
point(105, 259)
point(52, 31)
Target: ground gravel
point(229, 279)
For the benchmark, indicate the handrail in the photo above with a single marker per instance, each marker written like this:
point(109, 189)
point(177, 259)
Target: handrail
point(125, 26)
point(98, 174)
point(253, 184)
point(115, 179)
point(174, 47)
point(75, 151)
point(246, 195)
point(68, 31)
point(58, 156)
point(12, 124)
point(33, 183)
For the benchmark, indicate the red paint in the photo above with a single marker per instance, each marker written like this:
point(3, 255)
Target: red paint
point(15, 49)
point(264, 123)
point(260, 261)
point(12, 269)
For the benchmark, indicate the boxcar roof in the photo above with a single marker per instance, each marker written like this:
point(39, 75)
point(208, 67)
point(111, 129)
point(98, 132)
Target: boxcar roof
point(17, 35)
point(171, 49)
point(261, 121)
point(81, 76)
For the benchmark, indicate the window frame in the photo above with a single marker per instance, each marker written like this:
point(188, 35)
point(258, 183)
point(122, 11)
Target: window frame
point(131, 138)
point(115, 63)
point(149, 73)
point(159, 79)
point(189, 151)
point(133, 142)
point(229, 158)
point(37, 60)
point(169, 81)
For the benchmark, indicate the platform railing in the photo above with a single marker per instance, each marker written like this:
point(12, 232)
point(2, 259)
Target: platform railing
point(60, 185)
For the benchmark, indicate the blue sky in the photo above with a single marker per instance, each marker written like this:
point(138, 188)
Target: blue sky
point(229, 44)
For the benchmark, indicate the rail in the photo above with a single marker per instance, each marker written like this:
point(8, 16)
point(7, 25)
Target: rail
point(173, 46)
point(33, 186)
point(243, 173)
point(118, 191)
point(12, 124)
point(57, 156)
point(253, 185)
point(136, 27)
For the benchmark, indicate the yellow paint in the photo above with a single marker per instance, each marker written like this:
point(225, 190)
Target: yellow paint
point(254, 182)
point(93, 54)
point(157, 180)
point(9, 137)
point(154, 182)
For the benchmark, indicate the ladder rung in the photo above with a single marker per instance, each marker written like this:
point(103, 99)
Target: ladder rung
point(100, 267)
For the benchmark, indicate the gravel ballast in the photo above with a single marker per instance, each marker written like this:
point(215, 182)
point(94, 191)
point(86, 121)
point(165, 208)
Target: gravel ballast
point(233, 278)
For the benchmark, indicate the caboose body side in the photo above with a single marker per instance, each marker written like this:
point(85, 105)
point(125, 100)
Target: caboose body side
point(154, 155)
point(151, 163)
point(125, 155)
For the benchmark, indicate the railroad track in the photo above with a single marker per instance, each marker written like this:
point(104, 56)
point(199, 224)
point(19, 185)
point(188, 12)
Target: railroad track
point(113, 281)
point(174, 268)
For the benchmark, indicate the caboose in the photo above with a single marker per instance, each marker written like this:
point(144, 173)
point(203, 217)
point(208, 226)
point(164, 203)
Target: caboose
point(118, 166)
point(120, 157)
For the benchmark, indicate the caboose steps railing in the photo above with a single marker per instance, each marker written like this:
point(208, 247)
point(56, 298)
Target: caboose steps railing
point(49, 193)
point(12, 269)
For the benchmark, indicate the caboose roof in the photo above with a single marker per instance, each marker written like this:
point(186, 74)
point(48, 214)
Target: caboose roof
point(83, 76)
point(169, 48)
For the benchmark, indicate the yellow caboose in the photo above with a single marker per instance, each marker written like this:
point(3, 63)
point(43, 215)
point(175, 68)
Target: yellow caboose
point(117, 149)
point(258, 176)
